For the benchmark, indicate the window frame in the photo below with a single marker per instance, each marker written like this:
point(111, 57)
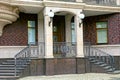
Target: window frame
point(101, 29)
point(33, 28)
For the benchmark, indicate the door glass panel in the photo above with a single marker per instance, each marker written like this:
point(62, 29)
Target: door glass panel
point(55, 38)
point(54, 29)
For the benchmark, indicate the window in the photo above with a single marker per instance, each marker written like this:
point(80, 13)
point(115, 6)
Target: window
point(31, 32)
point(73, 36)
point(101, 32)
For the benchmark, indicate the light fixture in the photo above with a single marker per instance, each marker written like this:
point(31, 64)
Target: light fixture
point(51, 15)
point(81, 16)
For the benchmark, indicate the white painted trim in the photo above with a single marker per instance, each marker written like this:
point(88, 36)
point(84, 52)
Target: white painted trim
point(105, 45)
point(10, 51)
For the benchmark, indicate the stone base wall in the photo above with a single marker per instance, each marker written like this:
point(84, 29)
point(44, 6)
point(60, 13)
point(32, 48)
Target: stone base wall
point(56, 66)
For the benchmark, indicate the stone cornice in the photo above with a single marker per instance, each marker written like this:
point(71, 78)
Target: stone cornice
point(102, 8)
point(8, 14)
point(64, 4)
point(74, 5)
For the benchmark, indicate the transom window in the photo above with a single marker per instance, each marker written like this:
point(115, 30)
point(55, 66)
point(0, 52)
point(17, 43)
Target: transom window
point(102, 28)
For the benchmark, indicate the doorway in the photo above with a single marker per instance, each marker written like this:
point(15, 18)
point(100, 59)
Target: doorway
point(59, 29)
point(58, 35)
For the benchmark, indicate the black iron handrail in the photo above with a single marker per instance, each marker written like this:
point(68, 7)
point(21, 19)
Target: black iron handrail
point(64, 49)
point(21, 58)
point(25, 55)
point(102, 56)
point(99, 55)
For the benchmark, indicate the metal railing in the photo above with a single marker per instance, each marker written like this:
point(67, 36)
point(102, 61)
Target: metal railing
point(94, 53)
point(64, 49)
point(21, 59)
point(25, 55)
point(101, 2)
point(63, 0)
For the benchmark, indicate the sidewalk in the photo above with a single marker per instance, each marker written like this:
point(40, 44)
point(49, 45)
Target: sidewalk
point(87, 76)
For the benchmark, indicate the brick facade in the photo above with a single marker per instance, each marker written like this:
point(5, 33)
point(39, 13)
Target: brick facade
point(16, 34)
point(113, 28)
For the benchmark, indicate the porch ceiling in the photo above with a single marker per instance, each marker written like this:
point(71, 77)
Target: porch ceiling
point(95, 13)
point(29, 9)
point(36, 9)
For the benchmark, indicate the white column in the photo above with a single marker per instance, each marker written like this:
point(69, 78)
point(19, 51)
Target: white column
point(40, 27)
point(79, 37)
point(48, 37)
point(79, 0)
point(68, 27)
point(118, 2)
point(41, 34)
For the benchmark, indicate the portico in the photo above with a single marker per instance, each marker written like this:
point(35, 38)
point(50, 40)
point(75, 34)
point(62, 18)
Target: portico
point(47, 34)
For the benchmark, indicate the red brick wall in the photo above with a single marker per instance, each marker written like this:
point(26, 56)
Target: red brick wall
point(15, 34)
point(113, 28)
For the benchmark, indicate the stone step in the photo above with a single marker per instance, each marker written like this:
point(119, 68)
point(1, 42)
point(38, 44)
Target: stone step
point(17, 60)
point(107, 67)
point(11, 68)
point(102, 65)
point(11, 71)
point(98, 63)
point(13, 63)
point(8, 77)
point(110, 70)
point(4, 65)
point(7, 74)
point(116, 72)
point(7, 69)
point(93, 61)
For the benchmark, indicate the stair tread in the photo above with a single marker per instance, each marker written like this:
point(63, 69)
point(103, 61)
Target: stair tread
point(111, 69)
point(94, 61)
point(107, 67)
point(102, 65)
point(9, 77)
point(116, 71)
point(7, 74)
point(9, 70)
point(99, 63)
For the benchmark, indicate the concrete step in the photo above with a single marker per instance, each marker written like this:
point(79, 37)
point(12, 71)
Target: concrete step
point(17, 60)
point(116, 72)
point(7, 74)
point(98, 63)
point(107, 67)
point(4, 65)
point(102, 65)
point(13, 63)
point(11, 68)
point(9, 71)
point(110, 70)
point(93, 61)
point(8, 77)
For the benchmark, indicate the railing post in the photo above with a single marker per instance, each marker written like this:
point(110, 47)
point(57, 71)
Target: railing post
point(15, 67)
point(29, 51)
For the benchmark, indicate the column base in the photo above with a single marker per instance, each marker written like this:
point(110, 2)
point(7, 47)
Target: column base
point(80, 56)
point(50, 56)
